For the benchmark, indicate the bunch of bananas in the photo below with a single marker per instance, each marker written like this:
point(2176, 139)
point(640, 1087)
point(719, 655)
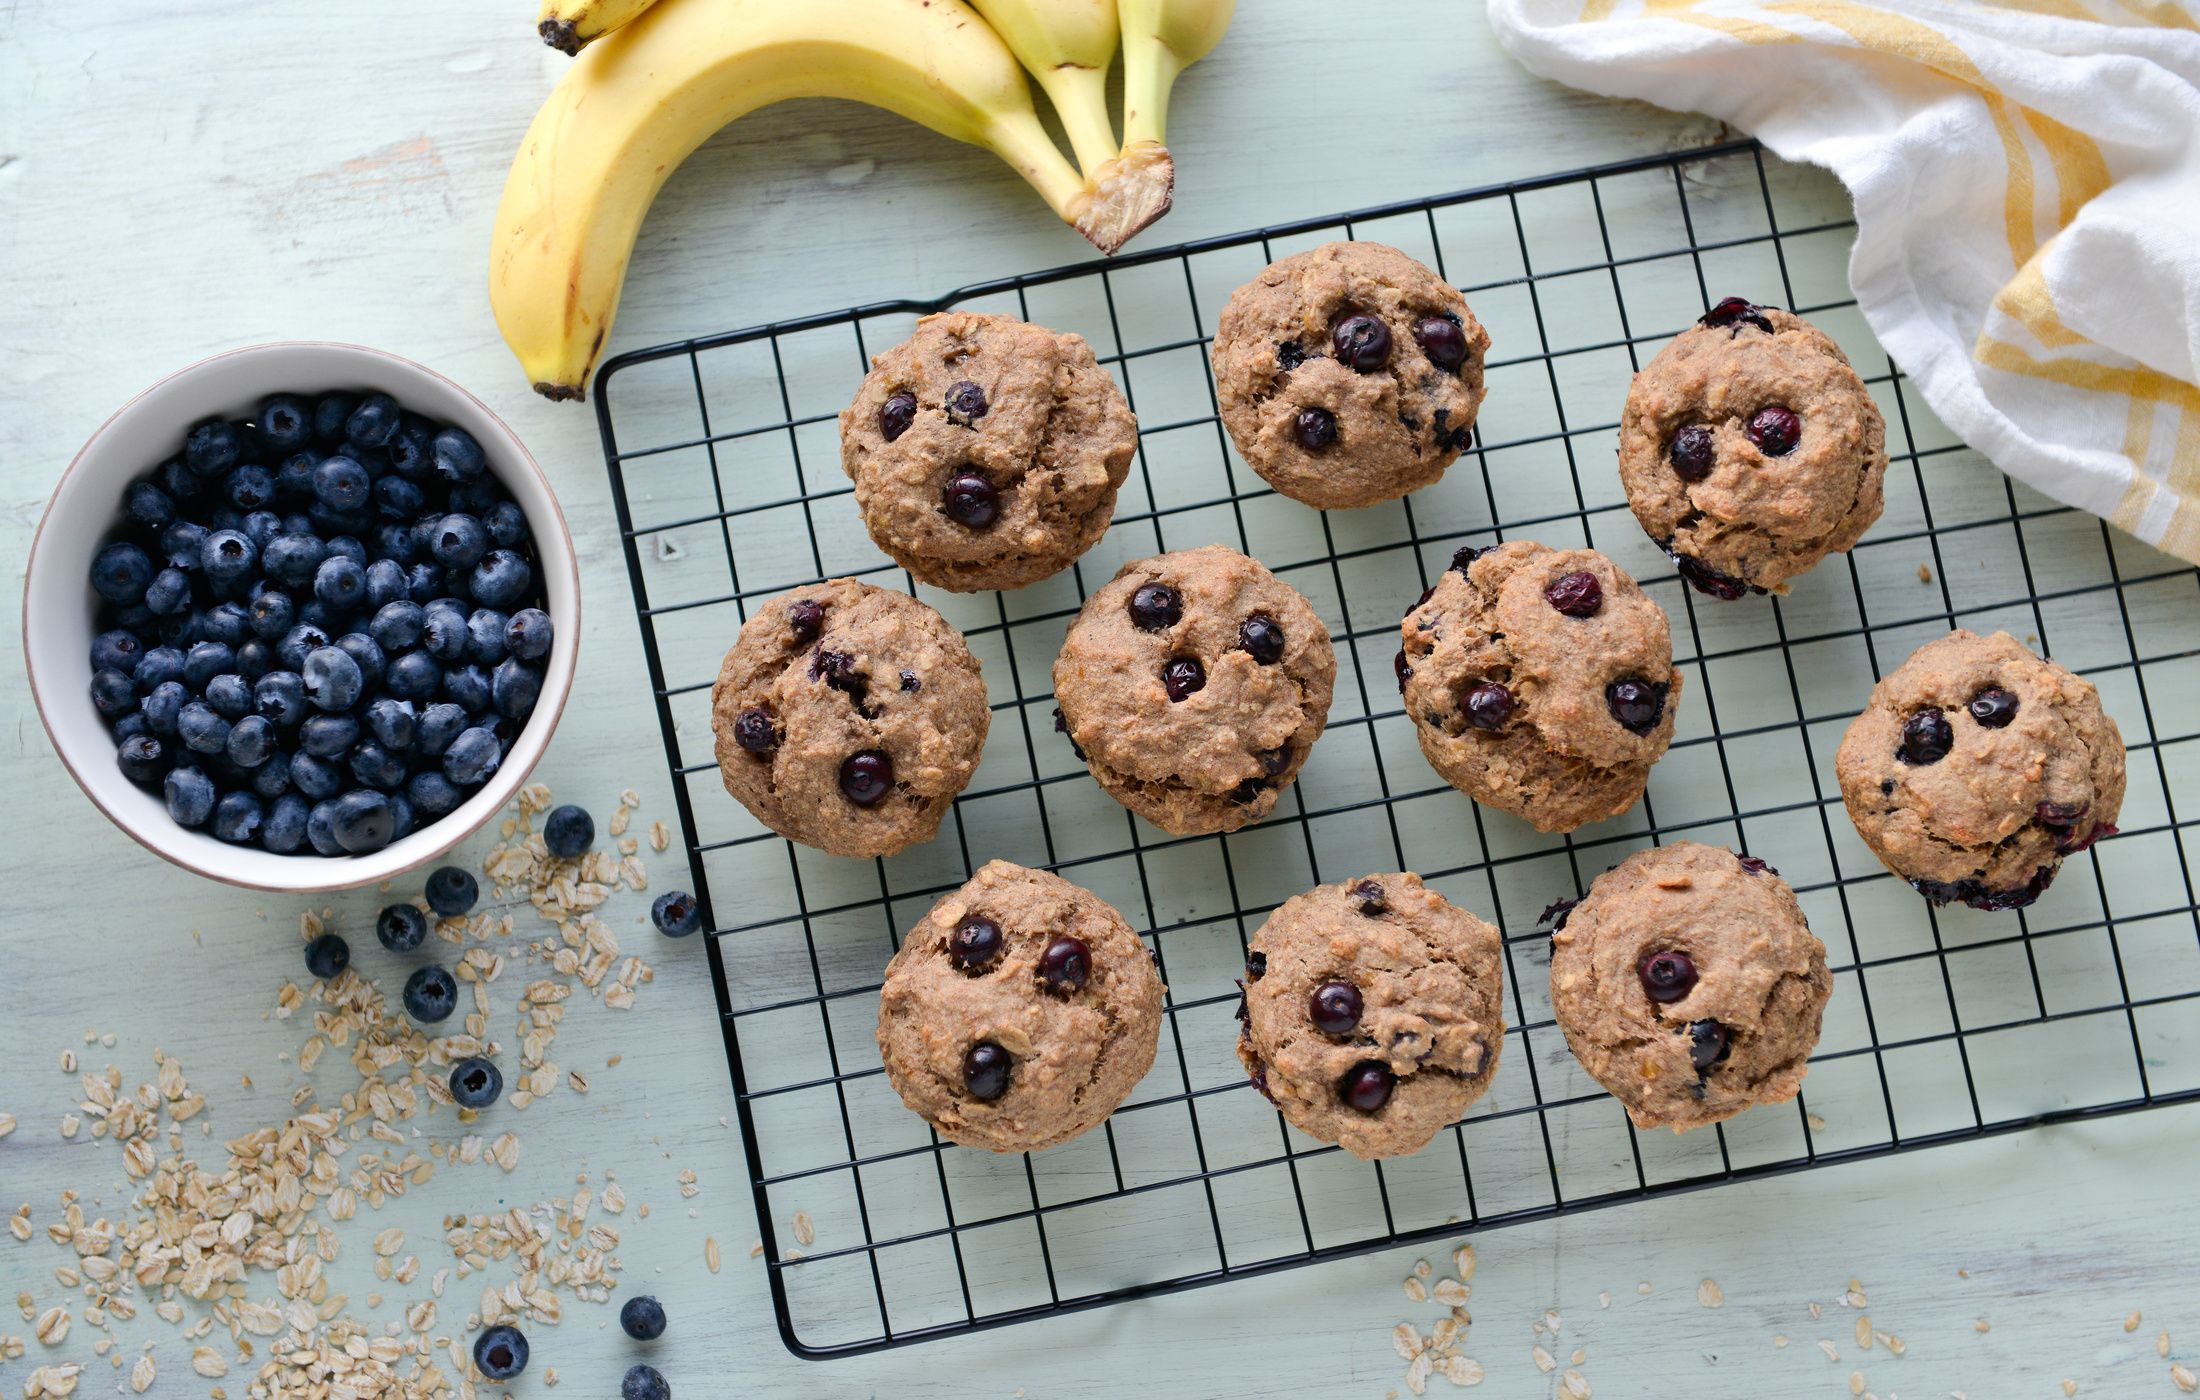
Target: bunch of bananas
point(653, 79)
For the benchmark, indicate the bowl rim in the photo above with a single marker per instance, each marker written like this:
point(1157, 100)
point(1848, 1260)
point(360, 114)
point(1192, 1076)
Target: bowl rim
point(509, 779)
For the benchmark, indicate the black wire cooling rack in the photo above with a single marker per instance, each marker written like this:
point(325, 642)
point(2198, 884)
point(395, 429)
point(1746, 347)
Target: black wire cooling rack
point(1944, 1025)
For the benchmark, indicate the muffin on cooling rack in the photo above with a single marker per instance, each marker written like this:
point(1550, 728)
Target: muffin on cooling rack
point(1349, 374)
point(1540, 681)
point(1750, 450)
point(847, 717)
point(1020, 1011)
point(1976, 767)
point(987, 452)
point(1689, 985)
point(1193, 686)
point(1374, 1013)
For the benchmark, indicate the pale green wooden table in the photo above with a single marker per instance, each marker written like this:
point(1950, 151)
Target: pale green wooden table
point(175, 181)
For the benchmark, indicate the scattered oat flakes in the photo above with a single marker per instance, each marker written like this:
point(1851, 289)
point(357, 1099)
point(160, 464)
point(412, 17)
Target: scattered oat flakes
point(1461, 1371)
point(1544, 1361)
point(2069, 1386)
point(1982, 1325)
point(1924, 573)
point(1573, 1386)
point(208, 1362)
point(1417, 1374)
point(1779, 1341)
point(1405, 1341)
point(141, 1375)
point(1856, 1382)
point(1643, 1288)
point(711, 1256)
point(805, 1230)
point(52, 1327)
point(1709, 1294)
point(2131, 1323)
point(2161, 1344)
point(1451, 1292)
point(2186, 1381)
point(1604, 1299)
point(1863, 1333)
point(1462, 1260)
point(1826, 1346)
point(1415, 1289)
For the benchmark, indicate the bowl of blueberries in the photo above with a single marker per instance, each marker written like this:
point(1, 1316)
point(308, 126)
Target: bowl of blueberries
point(301, 616)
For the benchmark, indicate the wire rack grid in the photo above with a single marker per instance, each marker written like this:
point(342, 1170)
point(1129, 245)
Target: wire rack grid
point(1944, 1025)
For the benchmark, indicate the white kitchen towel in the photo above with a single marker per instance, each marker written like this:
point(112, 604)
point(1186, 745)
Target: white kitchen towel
point(2027, 185)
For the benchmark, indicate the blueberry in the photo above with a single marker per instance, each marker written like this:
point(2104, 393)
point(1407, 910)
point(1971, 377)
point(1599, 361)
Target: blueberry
point(329, 413)
point(502, 579)
point(970, 501)
point(423, 580)
point(397, 626)
point(327, 956)
point(1637, 704)
point(147, 505)
point(644, 1383)
point(260, 526)
point(1369, 896)
point(321, 829)
point(292, 557)
point(1489, 705)
point(212, 447)
point(500, 1352)
point(472, 757)
point(142, 759)
point(190, 796)
point(1361, 343)
point(1775, 431)
point(413, 675)
point(975, 943)
point(340, 584)
point(1737, 312)
point(201, 729)
point(1334, 1008)
point(341, 484)
point(333, 680)
point(475, 1083)
point(298, 642)
point(755, 730)
point(121, 572)
point(1443, 340)
point(1155, 607)
point(1182, 677)
point(676, 914)
point(284, 830)
point(363, 821)
point(385, 584)
point(431, 994)
point(378, 767)
point(180, 542)
point(328, 736)
point(1367, 1085)
point(158, 666)
point(506, 524)
point(238, 818)
point(393, 723)
point(401, 927)
point(1315, 428)
point(130, 726)
point(443, 631)
point(485, 629)
point(458, 541)
point(1707, 1044)
point(294, 476)
point(643, 1318)
point(1577, 594)
point(250, 487)
point(176, 479)
point(966, 402)
point(411, 452)
point(399, 500)
point(440, 723)
point(1065, 963)
point(452, 891)
point(365, 655)
point(162, 706)
point(271, 614)
point(896, 414)
point(315, 776)
point(986, 1070)
point(804, 617)
point(372, 424)
point(568, 831)
point(1262, 638)
point(255, 659)
point(251, 742)
point(117, 650)
point(1993, 707)
point(229, 695)
point(395, 544)
point(866, 778)
point(285, 423)
point(457, 456)
point(432, 795)
point(281, 697)
point(514, 687)
point(469, 686)
point(1666, 975)
point(206, 660)
point(272, 778)
point(1926, 738)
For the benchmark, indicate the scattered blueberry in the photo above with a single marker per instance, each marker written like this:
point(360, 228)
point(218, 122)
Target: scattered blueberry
point(986, 1071)
point(569, 831)
point(676, 914)
point(431, 994)
point(328, 956)
point(500, 1352)
point(475, 1083)
point(642, 1318)
point(452, 891)
point(401, 927)
point(1334, 1008)
point(644, 1383)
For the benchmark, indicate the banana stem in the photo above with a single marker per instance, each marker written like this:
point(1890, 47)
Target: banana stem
point(1150, 69)
point(1024, 144)
point(1080, 98)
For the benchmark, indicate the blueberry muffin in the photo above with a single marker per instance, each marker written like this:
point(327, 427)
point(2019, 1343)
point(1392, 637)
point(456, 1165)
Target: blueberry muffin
point(1193, 685)
point(1976, 767)
point(1750, 450)
point(1540, 681)
point(1349, 375)
point(1689, 985)
point(986, 452)
point(847, 717)
point(1374, 1013)
point(1019, 1012)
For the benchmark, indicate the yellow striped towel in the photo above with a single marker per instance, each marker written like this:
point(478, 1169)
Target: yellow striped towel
point(2027, 186)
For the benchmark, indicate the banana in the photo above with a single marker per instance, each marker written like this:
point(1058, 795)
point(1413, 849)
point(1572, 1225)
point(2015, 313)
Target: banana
point(1162, 38)
point(1068, 45)
point(566, 25)
point(639, 100)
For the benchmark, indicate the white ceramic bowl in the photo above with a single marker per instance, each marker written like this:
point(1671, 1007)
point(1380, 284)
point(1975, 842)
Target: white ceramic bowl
point(59, 605)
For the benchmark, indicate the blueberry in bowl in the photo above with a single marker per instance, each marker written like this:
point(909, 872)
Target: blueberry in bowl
point(301, 616)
